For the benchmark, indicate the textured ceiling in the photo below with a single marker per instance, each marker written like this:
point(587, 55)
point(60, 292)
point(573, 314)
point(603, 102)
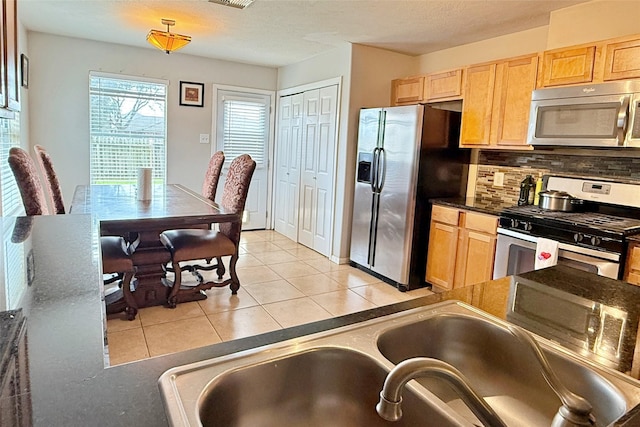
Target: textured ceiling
point(281, 32)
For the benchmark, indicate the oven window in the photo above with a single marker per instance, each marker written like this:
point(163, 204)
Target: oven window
point(523, 259)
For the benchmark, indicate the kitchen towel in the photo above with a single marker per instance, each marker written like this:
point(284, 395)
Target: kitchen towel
point(145, 183)
point(546, 253)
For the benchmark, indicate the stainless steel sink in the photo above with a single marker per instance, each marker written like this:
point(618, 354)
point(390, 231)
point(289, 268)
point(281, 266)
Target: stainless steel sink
point(500, 368)
point(318, 387)
point(334, 377)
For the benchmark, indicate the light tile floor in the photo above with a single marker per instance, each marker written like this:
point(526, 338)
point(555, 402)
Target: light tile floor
point(284, 284)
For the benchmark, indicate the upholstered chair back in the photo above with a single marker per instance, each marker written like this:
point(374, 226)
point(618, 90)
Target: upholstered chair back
point(234, 194)
point(31, 191)
point(51, 179)
point(212, 177)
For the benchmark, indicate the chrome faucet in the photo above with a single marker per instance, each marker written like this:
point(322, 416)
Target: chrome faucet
point(575, 410)
point(391, 395)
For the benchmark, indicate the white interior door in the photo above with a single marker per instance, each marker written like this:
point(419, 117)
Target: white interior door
point(243, 123)
point(288, 166)
point(317, 171)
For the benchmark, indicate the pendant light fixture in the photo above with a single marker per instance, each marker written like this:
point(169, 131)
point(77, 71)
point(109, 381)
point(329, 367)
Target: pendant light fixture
point(167, 41)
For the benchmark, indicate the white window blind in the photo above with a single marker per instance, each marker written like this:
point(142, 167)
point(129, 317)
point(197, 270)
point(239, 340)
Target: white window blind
point(9, 137)
point(245, 128)
point(128, 127)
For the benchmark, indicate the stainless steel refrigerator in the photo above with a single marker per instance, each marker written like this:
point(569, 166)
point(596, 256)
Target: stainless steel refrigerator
point(406, 156)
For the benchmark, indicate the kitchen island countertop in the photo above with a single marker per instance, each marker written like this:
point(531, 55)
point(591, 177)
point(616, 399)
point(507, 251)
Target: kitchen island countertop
point(65, 329)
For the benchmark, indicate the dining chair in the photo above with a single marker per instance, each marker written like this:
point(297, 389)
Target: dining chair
point(51, 179)
point(196, 244)
point(212, 176)
point(26, 175)
point(116, 259)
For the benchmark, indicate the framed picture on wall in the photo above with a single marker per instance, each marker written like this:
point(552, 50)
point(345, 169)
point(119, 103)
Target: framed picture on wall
point(192, 94)
point(24, 70)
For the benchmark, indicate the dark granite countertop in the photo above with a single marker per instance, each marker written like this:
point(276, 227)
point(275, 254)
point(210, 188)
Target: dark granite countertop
point(486, 206)
point(65, 329)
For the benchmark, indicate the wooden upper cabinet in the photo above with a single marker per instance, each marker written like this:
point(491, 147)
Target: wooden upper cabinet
point(443, 86)
point(622, 60)
point(477, 105)
point(497, 99)
point(515, 80)
point(407, 91)
point(568, 66)
point(10, 86)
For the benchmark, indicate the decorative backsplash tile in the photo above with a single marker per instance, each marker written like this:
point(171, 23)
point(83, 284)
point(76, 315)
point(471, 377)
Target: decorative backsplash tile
point(513, 176)
point(626, 167)
point(517, 165)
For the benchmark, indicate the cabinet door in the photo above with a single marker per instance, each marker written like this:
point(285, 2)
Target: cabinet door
point(622, 60)
point(13, 82)
point(632, 273)
point(476, 252)
point(407, 91)
point(476, 108)
point(515, 80)
point(441, 256)
point(441, 86)
point(568, 66)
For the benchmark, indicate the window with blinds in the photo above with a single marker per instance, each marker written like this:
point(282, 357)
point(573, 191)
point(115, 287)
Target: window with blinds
point(128, 128)
point(245, 127)
point(9, 137)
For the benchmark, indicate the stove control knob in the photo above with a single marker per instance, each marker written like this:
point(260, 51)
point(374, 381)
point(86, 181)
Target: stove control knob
point(514, 223)
point(578, 237)
point(527, 226)
point(595, 241)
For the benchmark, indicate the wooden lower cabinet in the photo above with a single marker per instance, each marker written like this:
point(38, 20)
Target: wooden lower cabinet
point(461, 248)
point(632, 269)
point(441, 255)
point(474, 261)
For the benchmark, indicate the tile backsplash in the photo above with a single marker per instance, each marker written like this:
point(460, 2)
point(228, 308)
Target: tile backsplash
point(517, 165)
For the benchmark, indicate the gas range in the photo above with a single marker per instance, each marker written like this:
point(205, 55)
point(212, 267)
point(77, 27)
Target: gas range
point(594, 230)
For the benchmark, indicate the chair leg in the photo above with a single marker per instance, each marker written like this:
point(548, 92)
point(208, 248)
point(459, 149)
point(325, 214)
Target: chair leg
point(172, 299)
point(131, 307)
point(220, 270)
point(235, 282)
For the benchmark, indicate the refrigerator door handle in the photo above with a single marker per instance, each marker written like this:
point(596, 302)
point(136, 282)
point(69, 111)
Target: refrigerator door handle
point(374, 170)
point(373, 238)
point(381, 169)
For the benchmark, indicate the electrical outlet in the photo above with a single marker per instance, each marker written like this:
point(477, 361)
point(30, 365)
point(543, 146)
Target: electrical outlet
point(498, 179)
point(204, 138)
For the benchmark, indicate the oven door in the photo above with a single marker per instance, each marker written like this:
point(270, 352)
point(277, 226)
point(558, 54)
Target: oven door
point(515, 254)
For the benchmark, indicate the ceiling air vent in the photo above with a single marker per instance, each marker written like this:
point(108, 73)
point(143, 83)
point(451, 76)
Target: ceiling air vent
point(238, 4)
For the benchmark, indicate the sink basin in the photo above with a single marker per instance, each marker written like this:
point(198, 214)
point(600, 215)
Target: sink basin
point(500, 368)
point(334, 377)
point(319, 387)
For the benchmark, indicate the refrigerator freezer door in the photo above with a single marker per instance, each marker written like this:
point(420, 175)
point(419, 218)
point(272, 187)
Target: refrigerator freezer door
point(401, 148)
point(368, 130)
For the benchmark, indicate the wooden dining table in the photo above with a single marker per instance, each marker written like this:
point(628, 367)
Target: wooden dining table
point(140, 222)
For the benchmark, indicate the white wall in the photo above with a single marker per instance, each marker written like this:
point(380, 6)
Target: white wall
point(372, 70)
point(332, 64)
point(510, 45)
point(59, 101)
point(582, 23)
point(592, 21)
point(366, 74)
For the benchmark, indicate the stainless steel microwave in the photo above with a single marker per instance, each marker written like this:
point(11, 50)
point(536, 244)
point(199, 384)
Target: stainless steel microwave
point(596, 115)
